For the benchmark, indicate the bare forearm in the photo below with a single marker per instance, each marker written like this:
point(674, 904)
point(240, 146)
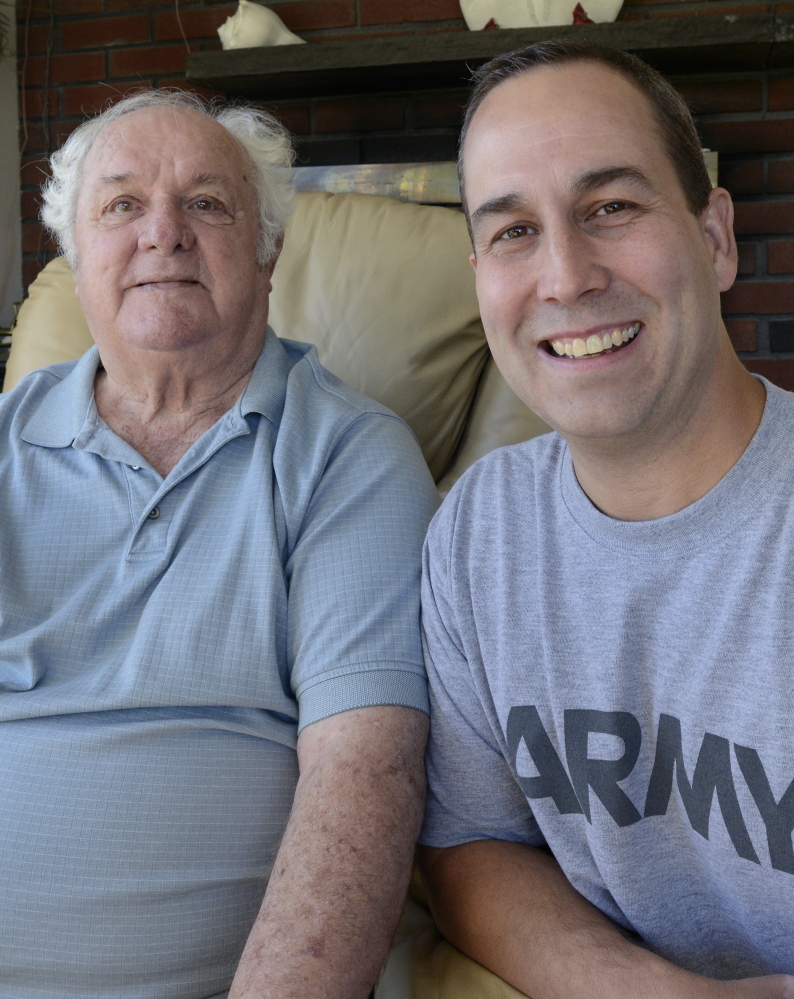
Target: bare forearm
point(341, 874)
point(511, 908)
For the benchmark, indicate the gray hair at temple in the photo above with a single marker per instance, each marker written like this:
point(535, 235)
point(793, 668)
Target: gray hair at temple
point(265, 142)
point(671, 115)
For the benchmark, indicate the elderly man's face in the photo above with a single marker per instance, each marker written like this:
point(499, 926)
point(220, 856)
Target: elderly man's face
point(582, 231)
point(166, 231)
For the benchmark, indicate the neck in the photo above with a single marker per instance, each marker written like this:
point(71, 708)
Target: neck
point(655, 473)
point(161, 402)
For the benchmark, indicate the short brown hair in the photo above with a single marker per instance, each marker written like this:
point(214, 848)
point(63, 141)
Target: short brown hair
point(670, 112)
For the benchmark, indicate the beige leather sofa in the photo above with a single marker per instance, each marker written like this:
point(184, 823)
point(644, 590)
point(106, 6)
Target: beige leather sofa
point(385, 291)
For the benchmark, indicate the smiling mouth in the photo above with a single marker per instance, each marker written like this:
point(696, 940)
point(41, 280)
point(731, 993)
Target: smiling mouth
point(607, 342)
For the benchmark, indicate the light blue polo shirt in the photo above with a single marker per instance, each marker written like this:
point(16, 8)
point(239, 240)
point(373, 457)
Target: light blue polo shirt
point(161, 643)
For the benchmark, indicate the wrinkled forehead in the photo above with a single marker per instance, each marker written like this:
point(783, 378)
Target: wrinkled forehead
point(552, 120)
point(153, 141)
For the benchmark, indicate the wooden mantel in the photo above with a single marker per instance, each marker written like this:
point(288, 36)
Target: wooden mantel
point(680, 45)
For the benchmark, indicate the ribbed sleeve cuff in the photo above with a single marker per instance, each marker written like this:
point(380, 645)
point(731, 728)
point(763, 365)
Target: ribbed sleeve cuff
point(405, 688)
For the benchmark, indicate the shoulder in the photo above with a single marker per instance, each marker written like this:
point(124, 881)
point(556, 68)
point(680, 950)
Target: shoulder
point(19, 403)
point(517, 480)
point(334, 438)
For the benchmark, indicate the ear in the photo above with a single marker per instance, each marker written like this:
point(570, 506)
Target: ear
point(473, 260)
point(717, 222)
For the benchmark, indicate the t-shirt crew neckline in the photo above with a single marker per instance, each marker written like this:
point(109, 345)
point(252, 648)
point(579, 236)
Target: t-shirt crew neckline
point(738, 495)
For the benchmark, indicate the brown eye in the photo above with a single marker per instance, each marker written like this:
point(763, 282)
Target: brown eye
point(204, 205)
point(514, 232)
point(123, 206)
point(613, 207)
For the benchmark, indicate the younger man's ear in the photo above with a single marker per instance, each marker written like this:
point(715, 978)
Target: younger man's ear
point(717, 221)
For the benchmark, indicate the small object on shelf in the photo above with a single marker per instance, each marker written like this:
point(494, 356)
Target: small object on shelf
point(253, 26)
point(484, 14)
point(580, 15)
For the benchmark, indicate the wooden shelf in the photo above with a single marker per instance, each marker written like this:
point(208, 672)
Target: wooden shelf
point(676, 45)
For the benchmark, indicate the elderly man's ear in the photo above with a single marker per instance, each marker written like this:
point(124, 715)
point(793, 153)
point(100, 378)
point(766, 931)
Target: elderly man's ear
point(717, 221)
point(271, 263)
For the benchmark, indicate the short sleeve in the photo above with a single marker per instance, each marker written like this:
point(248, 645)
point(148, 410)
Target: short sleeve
point(472, 793)
point(354, 574)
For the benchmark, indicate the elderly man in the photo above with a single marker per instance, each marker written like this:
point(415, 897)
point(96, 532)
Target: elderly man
point(608, 608)
point(210, 550)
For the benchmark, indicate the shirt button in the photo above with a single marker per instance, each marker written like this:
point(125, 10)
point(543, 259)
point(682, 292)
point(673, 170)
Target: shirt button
point(135, 468)
point(154, 513)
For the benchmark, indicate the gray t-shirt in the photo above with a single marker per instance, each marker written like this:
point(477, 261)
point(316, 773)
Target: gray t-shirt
point(622, 692)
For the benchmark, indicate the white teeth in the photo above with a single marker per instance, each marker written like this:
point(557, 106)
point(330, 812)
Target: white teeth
point(596, 343)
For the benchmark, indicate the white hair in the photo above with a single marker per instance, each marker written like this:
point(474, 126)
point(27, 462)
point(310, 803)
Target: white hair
point(265, 141)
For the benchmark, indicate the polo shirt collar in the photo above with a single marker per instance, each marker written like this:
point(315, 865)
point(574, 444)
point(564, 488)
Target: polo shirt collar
point(63, 411)
point(61, 414)
point(267, 388)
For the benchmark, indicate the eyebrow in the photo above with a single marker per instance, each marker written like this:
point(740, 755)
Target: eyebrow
point(199, 178)
point(589, 181)
point(597, 178)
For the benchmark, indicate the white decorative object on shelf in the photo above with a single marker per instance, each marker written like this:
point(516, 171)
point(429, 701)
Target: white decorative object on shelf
point(484, 14)
point(253, 25)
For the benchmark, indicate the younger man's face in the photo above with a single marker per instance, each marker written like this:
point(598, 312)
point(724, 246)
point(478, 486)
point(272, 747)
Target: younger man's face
point(583, 237)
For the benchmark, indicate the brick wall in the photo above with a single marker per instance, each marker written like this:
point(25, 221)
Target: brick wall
point(100, 49)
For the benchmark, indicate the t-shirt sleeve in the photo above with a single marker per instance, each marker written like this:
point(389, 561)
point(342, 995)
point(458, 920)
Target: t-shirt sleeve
point(472, 793)
point(354, 575)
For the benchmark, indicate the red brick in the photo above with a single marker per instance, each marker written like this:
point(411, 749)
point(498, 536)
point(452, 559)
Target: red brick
point(746, 258)
point(781, 176)
point(68, 7)
point(298, 15)
point(749, 136)
point(97, 33)
point(438, 113)
point(780, 372)
point(150, 61)
point(408, 11)
point(781, 257)
point(722, 95)
point(180, 83)
point(33, 171)
point(196, 24)
point(30, 271)
point(742, 333)
point(742, 178)
point(295, 120)
point(755, 217)
point(68, 68)
point(359, 116)
point(90, 99)
point(30, 205)
point(32, 102)
point(781, 94)
point(32, 39)
point(35, 238)
point(763, 297)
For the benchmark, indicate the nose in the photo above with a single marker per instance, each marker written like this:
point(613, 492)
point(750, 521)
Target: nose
point(567, 266)
point(166, 229)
